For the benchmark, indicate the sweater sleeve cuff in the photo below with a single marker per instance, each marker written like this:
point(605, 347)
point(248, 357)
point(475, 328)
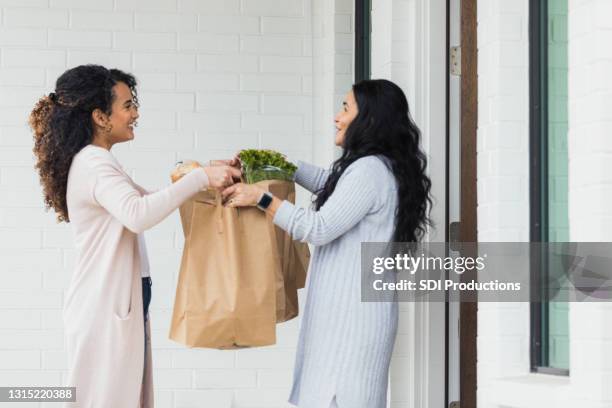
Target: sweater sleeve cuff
point(283, 215)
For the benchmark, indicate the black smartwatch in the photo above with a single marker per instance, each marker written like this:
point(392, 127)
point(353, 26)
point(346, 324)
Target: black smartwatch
point(264, 201)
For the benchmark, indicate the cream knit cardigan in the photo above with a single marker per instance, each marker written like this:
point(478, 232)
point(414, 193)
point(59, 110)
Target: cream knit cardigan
point(103, 317)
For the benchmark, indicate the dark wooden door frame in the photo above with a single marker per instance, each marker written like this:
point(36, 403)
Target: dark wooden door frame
point(468, 230)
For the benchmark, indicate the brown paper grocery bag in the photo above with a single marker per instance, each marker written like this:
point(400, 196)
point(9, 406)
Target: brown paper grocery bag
point(239, 273)
point(294, 257)
point(302, 257)
point(291, 270)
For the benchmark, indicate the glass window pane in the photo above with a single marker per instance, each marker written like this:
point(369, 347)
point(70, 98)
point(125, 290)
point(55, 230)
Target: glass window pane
point(558, 229)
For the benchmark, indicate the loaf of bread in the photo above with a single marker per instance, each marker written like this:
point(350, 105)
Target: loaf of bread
point(182, 168)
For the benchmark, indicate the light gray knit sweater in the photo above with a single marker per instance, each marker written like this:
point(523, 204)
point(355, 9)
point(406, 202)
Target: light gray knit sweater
point(345, 346)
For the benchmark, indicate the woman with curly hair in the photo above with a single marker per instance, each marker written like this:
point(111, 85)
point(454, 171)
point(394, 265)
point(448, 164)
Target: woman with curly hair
point(105, 306)
point(377, 191)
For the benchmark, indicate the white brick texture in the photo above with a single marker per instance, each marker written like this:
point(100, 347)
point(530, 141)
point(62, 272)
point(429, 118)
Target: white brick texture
point(503, 157)
point(504, 378)
point(214, 77)
point(590, 149)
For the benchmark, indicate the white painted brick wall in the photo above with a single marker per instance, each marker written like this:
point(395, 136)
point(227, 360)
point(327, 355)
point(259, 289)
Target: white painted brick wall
point(503, 357)
point(590, 215)
point(215, 76)
point(503, 118)
point(503, 157)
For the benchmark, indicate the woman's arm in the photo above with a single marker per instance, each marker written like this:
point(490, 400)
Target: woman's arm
point(311, 177)
point(143, 190)
point(114, 191)
point(356, 194)
point(354, 197)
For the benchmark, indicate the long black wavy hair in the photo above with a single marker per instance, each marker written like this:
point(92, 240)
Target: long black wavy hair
point(62, 125)
point(383, 127)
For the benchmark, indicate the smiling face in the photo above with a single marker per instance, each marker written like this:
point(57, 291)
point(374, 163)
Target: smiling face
point(124, 114)
point(121, 121)
point(348, 112)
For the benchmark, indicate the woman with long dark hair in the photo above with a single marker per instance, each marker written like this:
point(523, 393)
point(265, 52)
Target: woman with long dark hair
point(105, 306)
point(377, 191)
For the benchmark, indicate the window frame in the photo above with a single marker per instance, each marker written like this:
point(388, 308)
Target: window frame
point(363, 43)
point(538, 184)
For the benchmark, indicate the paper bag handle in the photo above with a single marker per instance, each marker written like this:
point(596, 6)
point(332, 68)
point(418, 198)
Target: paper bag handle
point(219, 210)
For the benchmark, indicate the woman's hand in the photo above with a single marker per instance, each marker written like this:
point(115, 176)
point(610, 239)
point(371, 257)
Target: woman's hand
point(233, 162)
point(222, 176)
point(242, 195)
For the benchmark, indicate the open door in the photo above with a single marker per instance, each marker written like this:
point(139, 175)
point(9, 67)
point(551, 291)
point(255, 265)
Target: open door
point(462, 91)
point(435, 360)
point(462, 193)
point(453, 202)
point(468, 230)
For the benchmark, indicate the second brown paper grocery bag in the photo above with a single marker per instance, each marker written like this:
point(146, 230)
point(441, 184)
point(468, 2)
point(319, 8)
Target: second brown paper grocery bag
point(239, 274)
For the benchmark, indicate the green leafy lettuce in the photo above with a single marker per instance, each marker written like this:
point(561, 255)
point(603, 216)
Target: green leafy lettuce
point(258, 165)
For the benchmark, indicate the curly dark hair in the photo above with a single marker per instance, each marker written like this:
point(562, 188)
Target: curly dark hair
point(62, 125)
point(383, 127)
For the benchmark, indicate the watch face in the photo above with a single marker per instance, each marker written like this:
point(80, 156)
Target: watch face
point(265, 201)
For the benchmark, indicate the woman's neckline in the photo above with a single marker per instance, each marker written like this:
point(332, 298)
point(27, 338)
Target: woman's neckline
point(98, 147)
